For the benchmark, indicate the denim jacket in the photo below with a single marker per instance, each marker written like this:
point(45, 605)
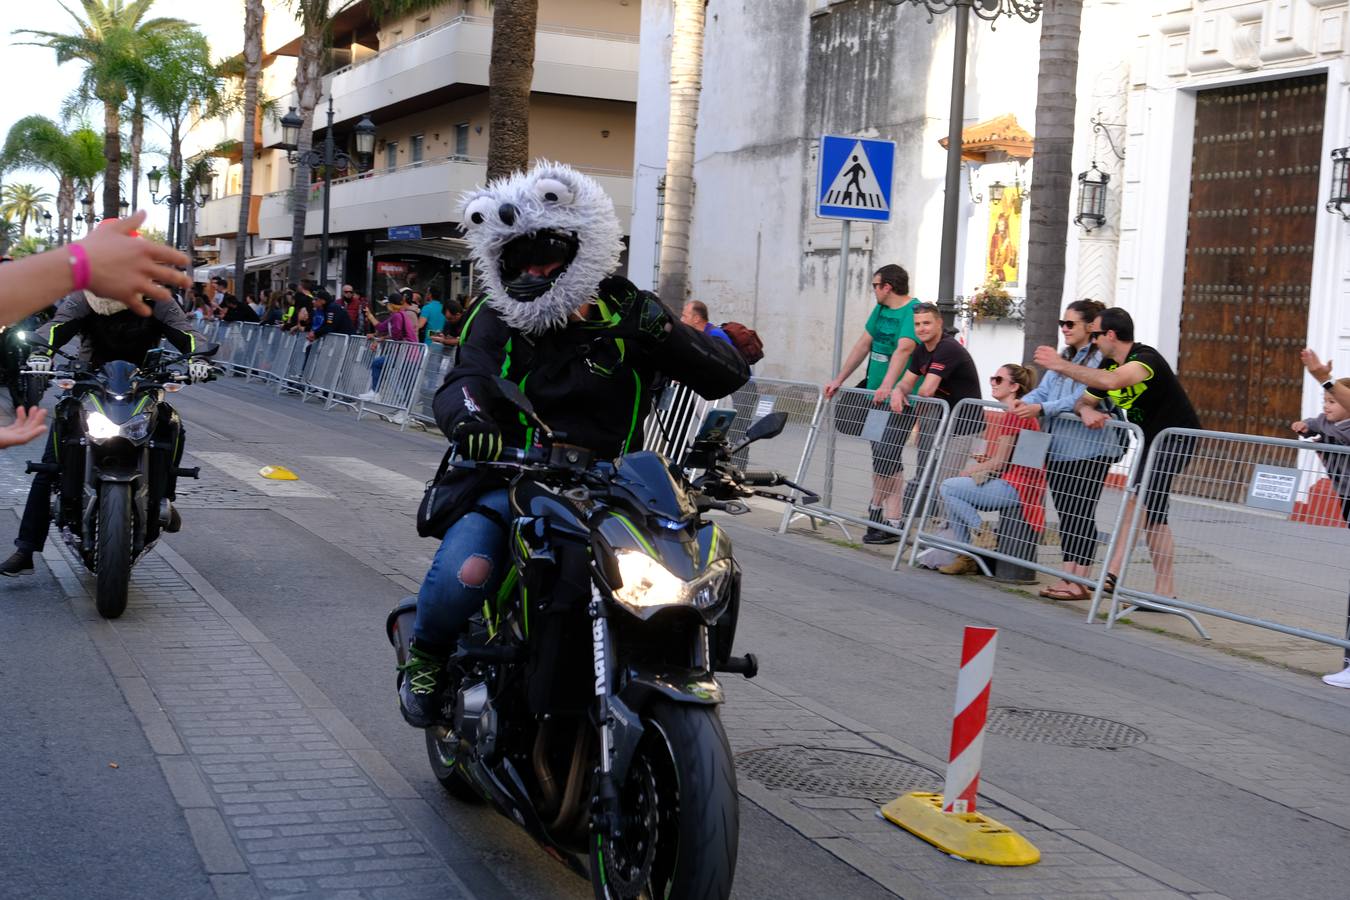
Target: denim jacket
point(1069, 440)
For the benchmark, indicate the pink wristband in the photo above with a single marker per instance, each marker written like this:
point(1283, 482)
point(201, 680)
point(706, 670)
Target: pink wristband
point(79, 267)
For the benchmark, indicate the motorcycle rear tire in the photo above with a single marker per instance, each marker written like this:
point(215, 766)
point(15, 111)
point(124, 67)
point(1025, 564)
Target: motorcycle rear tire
point(686, 749)
point(113, 563)
point(452, 778)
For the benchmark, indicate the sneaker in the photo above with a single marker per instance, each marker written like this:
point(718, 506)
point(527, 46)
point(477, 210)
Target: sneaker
point(962, 565)
point(368, 396)
point(419, 689)
point(1336, 679)
point(19, 562)
point(875, 536)
point(400, 418)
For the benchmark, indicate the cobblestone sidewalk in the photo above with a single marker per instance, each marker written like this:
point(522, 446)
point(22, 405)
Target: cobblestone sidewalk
point(283, 796)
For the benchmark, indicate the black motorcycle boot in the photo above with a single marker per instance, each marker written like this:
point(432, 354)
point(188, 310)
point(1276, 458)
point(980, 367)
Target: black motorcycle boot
point(169, 519)
point(20, 562)
point(421, 687)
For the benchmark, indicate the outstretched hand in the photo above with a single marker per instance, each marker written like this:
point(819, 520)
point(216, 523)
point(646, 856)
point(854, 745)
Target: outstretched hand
point(28, 423)
point(128, 268)
point(1320, 371)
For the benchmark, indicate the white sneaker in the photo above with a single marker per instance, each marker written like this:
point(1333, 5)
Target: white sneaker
point(369, 396)
point(1338, 679)
point(399, 418)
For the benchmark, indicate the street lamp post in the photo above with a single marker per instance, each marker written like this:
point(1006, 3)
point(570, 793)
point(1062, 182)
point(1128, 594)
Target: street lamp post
point(989, 10)
point(153, 179)
point(330, 157)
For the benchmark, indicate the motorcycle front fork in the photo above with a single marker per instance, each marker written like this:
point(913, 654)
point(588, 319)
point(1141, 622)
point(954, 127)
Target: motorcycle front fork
point(605, 815)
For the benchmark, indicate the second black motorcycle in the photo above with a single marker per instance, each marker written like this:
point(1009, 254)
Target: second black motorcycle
point(117, 443)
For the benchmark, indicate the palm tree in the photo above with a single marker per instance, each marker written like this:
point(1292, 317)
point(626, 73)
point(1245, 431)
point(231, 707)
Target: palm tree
point(20, 202)
point(74, 158)
point(510, 74)
point(686, 83)
point(109, 41)
point(313, 16)
point(253, 26)
point(182, 87)
point(1056, 98)
point(198, 170)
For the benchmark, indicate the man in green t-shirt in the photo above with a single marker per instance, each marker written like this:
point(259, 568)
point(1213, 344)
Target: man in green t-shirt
point(887, 341)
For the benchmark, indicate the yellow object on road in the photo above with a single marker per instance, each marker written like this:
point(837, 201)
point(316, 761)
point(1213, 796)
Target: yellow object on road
point(278, 473)
point(971, 836)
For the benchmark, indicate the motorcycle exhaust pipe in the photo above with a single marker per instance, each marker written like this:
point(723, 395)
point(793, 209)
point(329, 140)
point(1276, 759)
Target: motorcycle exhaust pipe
point(747, 665)
point(543, 773)
point(576, 779)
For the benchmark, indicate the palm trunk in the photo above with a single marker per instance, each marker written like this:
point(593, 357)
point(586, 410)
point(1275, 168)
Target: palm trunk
point(307, 87)
point(190, 237)
point(253, 19)
point(686, 83)
point(112, 152)
point(510, 74)
point(175, 183)
point(1056, 98)
point(65, 208)
point(137, 138)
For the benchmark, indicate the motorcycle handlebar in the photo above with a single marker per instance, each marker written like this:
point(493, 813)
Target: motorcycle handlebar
point(762, 477)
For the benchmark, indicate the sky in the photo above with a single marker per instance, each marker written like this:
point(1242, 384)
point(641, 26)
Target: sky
point(37, 85)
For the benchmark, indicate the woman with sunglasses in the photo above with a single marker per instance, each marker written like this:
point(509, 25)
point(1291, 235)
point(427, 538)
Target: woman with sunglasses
point(991, 481)
point(1078, 458)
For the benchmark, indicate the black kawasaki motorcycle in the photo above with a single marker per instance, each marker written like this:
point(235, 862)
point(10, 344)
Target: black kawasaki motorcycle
point(114, 436)
point(583, 702)
point(24, 390)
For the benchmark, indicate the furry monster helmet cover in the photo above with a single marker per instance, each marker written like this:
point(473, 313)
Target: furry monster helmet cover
point(542, 241)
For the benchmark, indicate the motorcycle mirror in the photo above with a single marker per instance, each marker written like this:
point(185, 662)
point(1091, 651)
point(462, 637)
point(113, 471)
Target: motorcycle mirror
point(515, 396)
point(770, 426)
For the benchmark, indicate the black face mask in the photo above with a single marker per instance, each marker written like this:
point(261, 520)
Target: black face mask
point(543, 248)
point(526, 288)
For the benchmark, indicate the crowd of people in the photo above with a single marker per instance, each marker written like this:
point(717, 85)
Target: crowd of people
point(1102, 373)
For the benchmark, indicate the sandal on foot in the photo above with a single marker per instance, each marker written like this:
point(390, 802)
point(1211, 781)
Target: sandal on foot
point(1053, 594)
point(1109, 583)
point(1050, 591)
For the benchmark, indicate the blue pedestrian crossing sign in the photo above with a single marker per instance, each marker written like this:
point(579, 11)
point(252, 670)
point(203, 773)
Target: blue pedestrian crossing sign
point(855, 178)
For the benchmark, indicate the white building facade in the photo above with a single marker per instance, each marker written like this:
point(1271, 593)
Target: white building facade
point(775, 79)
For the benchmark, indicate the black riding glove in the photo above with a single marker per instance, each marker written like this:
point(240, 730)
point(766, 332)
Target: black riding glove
point(478, 439)
point(645, 318)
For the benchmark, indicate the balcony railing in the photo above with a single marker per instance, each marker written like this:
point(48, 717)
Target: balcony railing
point(483, 20)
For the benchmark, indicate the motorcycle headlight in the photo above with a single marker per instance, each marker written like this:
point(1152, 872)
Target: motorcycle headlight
point(100, 427)
point(647, 586)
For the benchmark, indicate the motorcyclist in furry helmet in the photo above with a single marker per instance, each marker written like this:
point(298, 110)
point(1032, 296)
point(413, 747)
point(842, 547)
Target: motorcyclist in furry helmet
point(584, 345)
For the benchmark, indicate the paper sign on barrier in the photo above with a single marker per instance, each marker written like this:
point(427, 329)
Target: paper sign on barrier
point(1032, 446)
point(875, 424)
point(764, 406)
point(1274, 488)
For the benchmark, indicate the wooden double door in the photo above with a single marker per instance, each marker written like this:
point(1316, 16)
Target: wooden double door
point(1255, 170)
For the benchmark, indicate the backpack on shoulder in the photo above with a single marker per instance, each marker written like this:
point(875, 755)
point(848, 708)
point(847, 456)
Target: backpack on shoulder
point(746, 340)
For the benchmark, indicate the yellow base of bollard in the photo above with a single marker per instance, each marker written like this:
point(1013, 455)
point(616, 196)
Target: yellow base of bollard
point(278, 473)
point(971, 836)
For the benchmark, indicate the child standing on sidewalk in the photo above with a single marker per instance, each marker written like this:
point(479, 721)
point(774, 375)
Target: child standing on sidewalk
point(1333, 427)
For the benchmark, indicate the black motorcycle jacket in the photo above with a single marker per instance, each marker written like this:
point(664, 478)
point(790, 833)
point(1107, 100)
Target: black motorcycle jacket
point(592, 379)
point(121, 336)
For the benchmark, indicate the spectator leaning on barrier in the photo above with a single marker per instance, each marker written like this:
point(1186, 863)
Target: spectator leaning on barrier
point(991, 481)
point(399, 325)
point(1332, 427)
point(695, 315)
point(1137, 379)
point(433, 313)
point(329, 317)
point(886, 343)
point(1078, 459)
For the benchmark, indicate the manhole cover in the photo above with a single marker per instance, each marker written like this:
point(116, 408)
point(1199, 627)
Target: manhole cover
point(835, 773)
point(1048, 726)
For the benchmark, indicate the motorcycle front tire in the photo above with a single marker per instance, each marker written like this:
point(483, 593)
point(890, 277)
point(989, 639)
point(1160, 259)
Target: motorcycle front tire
point(685, 750)
point(113, 561)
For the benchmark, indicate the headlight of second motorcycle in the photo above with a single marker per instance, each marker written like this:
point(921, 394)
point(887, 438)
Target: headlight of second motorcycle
point(100, 428)
point(647, 586)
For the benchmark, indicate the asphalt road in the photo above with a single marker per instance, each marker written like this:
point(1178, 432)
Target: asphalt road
point(1239, 787)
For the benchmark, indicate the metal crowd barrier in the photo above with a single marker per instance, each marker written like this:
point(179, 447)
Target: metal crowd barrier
point(854, 445)
point(1082, 477)
point(1257, 533)
point(327, 357)
point(391, 395)
point(675, 417)
point(440, 360)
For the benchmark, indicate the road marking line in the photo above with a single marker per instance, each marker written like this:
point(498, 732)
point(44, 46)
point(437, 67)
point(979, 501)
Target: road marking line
point(245, 469)
point(385, 480)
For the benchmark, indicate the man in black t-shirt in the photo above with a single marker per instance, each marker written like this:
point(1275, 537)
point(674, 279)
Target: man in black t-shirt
point(941, 368)
point(1137, 379)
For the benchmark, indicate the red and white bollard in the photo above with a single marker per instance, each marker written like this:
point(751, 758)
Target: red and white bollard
point(972, 708)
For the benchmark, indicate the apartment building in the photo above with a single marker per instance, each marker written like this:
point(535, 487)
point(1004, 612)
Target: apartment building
point(423, 81)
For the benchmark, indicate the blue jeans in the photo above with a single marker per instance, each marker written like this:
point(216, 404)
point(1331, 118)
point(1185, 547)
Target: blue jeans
point(376, 370)
point(965, 499)
point(456, 585)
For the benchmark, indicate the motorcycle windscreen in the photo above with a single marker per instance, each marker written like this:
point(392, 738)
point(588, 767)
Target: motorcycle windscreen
point(649, 484)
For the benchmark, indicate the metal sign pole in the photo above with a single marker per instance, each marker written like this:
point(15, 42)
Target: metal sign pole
point(841, 298)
